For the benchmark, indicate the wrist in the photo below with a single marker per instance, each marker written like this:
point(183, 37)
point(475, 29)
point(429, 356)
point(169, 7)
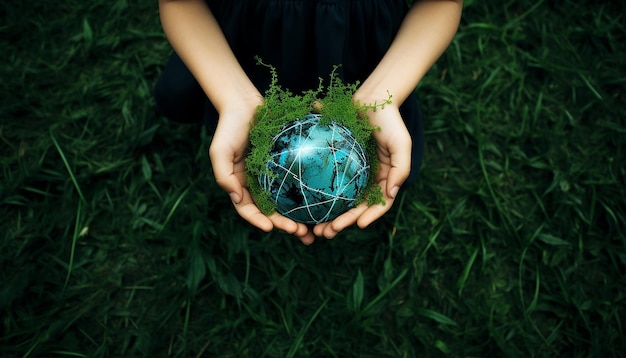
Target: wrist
point(372, 101)
point(368, 96)
point(240, 106)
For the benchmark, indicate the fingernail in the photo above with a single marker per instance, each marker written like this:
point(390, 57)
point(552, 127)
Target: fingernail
point(234, 197)
point(394, 191)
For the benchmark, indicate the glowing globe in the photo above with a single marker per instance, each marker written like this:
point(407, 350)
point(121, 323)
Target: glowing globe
point(317, 171)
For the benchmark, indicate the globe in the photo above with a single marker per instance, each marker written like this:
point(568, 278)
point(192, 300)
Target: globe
point(316, 171)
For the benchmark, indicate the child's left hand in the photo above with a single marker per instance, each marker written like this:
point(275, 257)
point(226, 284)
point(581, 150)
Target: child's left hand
point(394, 153)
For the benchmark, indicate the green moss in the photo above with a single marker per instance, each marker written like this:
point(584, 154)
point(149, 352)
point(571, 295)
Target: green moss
point(282, 106)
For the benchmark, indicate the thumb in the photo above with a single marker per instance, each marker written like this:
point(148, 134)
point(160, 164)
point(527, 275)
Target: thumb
point(399, 172)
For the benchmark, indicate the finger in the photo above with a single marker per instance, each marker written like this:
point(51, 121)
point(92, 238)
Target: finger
point(318, 230)
point(251, 213)
point(316, 107)
point(374, 213)
point(346, 219)
point(301, 231)
point(225, 175)
point(285, 224)
point(331, 229)
point(399, 172)
point(307, 239)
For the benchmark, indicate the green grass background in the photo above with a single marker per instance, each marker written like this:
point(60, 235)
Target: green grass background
point(116, 241)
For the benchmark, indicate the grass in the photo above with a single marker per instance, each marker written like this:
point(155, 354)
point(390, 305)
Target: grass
point(117, 241)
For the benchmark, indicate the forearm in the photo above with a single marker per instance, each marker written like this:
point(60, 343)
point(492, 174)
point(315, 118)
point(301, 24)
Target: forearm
point(195, 35)
point(424, 35)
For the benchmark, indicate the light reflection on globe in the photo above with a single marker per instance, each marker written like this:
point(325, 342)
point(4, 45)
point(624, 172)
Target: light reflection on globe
point(318, 170)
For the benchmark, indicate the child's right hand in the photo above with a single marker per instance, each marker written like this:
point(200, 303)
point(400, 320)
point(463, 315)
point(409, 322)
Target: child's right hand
point(228, 154)
point(198, 39)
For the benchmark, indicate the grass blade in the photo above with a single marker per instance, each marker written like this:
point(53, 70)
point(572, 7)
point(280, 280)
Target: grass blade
point(67, 166)
point(300, 337)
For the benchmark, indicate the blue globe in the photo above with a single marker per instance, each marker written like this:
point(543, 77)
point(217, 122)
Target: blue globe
point(317, 171)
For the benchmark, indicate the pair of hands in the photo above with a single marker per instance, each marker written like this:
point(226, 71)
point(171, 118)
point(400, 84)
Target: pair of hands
point(228, 154)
